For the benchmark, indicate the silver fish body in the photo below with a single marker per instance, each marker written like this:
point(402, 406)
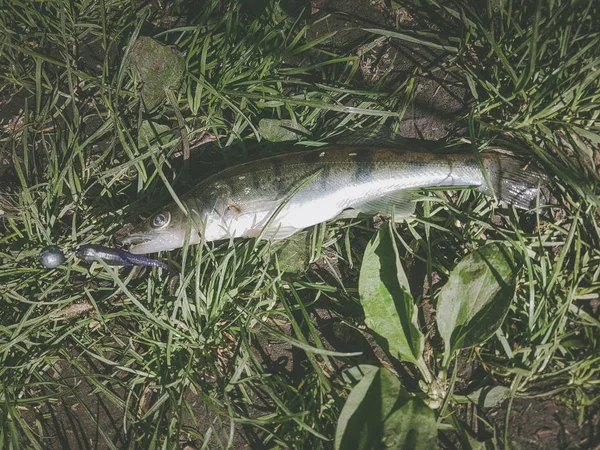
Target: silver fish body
point(275, 197)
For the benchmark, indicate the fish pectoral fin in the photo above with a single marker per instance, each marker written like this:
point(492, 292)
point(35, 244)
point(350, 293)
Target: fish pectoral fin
point(399, 205)
point(280, 233)
point(273, 233)
point(349, 214)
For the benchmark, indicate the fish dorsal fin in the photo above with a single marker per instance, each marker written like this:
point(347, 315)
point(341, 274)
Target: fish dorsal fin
point(399, 205)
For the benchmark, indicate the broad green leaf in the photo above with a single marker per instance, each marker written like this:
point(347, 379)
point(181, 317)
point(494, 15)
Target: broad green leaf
point(379, 413)
point(413, 426)
point(353, 420)
point(275, 130)
point(360, 425)
point(294, 253)
point(476, 298)
point(154, 134)
point(389, 308)
point(158, 67)
point(490, 397)
point(355, 374)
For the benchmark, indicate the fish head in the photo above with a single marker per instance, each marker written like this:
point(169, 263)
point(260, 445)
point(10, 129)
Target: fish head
point(163, 231)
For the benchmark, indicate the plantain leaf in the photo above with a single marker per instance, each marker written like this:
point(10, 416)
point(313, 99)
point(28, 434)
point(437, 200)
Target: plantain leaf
point(354, 374)
point(379, 413)
point(153, 134)
point(389, 308)
point(275, 130)
point(413, 426)
point(360, 424)
point(476, 298)
point(490, 397)
point(294, 253)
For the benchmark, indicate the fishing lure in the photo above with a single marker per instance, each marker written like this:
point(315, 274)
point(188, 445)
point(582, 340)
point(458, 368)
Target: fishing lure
point(51, 257)
point(116, 257)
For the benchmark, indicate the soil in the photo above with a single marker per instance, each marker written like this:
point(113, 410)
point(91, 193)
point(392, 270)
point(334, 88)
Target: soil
point(544, 424)
point(438, 98)
point(80, 416)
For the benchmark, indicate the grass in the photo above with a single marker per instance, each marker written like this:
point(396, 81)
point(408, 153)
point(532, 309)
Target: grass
point(129, 358)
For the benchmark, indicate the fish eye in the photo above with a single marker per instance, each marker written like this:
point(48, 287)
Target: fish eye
point(161, 220)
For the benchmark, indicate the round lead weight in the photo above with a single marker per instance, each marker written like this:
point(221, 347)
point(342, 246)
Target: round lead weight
point(51, 257)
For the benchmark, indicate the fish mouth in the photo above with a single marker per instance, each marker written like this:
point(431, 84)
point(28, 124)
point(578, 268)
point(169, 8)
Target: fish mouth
point(135, 239)
point(149, 242)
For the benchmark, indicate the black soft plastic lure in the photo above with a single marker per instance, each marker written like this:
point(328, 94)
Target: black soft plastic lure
point(117, 257)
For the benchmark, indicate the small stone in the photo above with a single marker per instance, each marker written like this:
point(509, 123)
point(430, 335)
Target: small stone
point(51, 257)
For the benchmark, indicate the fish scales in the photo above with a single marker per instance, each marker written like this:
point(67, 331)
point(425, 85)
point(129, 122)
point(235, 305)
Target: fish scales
point(277, 196)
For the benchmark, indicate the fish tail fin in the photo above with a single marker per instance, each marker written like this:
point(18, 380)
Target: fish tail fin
point(513, 180)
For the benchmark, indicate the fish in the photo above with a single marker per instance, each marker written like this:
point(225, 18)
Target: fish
point(273, 198)
point(117, 257)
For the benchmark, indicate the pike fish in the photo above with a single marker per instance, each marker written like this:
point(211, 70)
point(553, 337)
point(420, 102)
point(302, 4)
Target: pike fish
point(275, 197)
